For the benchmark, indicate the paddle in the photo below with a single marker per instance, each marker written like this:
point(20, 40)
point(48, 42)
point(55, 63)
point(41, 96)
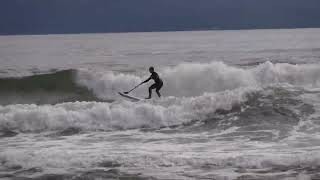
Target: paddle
point(132, 89)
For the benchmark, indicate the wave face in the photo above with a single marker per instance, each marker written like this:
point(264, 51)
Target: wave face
point(43, 89)
point(168, 111)
point(184, 80)
point(191, 92)
point(187, 80)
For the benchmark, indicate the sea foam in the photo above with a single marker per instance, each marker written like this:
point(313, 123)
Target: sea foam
point(188, 80)
point(168, 111)
point(191, 92)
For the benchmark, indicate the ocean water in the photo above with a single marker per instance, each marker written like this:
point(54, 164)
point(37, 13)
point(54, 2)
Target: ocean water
point(235, 105)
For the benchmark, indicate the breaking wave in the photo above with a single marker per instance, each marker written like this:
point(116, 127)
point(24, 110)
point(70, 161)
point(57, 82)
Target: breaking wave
point(192, 92)
point(187, 80)
point(169, 111)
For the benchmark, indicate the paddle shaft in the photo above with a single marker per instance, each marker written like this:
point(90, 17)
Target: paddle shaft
point(132, 89)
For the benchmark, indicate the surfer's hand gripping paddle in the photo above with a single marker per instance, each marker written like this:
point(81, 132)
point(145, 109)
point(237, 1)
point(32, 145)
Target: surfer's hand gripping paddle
point(132, 89)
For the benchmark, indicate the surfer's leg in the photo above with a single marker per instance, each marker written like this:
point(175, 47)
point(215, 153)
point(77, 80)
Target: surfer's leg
point(153, 86)
point(150, 93)
point(158, 93)
point(158, 89)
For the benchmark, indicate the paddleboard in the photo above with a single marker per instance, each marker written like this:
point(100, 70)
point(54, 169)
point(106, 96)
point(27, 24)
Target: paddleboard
point(129, 97)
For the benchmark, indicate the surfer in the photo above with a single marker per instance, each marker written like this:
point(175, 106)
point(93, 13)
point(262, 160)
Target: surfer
point(158, 83)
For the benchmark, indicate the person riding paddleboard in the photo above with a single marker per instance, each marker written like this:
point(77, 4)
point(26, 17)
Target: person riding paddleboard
point(158, 83)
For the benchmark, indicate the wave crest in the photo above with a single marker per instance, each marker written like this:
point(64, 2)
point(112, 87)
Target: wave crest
point(168, 111)
point(187, 80)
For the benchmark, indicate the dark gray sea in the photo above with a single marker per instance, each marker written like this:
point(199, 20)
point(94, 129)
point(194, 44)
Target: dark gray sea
point(236, 105)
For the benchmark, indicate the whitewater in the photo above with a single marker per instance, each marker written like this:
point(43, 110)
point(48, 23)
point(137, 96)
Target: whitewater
point(235, 105)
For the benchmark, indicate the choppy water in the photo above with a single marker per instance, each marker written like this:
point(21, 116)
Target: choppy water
point(235, 105)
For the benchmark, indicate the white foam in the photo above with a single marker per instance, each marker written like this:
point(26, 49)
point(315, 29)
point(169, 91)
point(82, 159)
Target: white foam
point(118, 115)
point(158, 152)
point(298, 75)
point(186, 80)
point(204, 87)
point(106, 85)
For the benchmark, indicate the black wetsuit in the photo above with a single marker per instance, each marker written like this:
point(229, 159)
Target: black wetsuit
point(157, 81)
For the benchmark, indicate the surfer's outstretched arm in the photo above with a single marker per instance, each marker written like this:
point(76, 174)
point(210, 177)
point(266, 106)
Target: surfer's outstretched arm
point(146, 80)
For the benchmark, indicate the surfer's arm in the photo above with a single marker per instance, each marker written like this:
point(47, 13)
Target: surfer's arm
point(146, 80)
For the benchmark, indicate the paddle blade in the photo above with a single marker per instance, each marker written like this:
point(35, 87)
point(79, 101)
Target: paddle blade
point(125, 92)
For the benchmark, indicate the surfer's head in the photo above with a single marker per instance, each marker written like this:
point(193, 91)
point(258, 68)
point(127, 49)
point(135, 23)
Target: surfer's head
point(151, 69)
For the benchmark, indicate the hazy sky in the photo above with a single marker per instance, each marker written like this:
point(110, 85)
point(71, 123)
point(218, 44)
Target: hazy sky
point(83, 16)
